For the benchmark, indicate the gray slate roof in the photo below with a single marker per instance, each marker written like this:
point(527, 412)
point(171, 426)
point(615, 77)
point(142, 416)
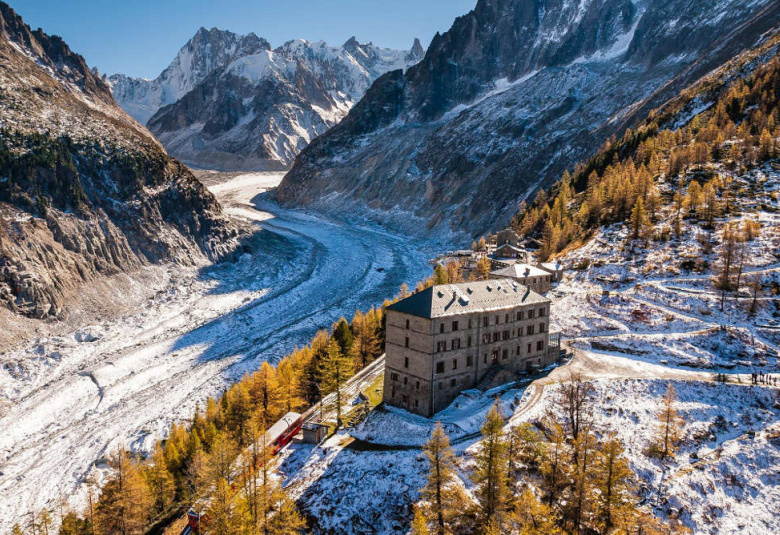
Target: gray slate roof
point(467, 297)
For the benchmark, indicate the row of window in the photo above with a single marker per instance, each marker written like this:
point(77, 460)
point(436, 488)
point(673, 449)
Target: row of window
point(514, 316)
point(394, 378)
point(496, 336)
point(495, 355)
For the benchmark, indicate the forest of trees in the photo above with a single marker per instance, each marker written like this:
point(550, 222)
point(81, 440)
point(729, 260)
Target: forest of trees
point(687, 171)
point(218, 459)
point(561, 475)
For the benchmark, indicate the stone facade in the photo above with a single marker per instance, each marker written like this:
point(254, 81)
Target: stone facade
point(508, 236)
point(432, 357)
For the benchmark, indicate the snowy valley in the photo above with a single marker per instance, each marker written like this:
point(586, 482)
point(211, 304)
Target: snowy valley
point(160, 323)
point(68, 399)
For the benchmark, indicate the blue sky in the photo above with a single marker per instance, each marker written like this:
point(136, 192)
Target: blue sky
point(140, 37)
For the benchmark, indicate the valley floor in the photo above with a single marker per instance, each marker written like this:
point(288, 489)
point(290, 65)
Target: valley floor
point(68, 399)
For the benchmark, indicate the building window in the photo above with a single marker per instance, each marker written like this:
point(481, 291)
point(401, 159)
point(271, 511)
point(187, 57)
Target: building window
point(393, 392)
point(454, 364)
point(406, 362)
point(530, 330)
point(485, 321)
point(496, 336)
point(393, 376)
point(441, 345)
point(469, 361)
point(468, 342)
point(406, 342)
point(452, 382)
point(406, 380)
point(407, 324)
point(529, 348)
point(441, 385)
point(441, 327)
point(504, 355)
point(416, 403)
point(469, 323)
point(417, 385)
point(456, 344)
point(485, 359)
point(498, 319)
point(454, 325)
point(517, 352)
point(439, 367)
point(541, 327)
point(505, 335)
point(530, 314)
point(486, 338)
point(521, 315)
point(506, 318)
point(541, 312)
point(540, 345)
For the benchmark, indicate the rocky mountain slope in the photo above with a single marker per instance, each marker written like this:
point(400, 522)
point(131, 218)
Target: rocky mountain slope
point(513, 94)
point(85, 191)
point(232, 102)
point(206, 51)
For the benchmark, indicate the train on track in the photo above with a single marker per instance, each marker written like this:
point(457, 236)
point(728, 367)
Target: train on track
point(277, 437)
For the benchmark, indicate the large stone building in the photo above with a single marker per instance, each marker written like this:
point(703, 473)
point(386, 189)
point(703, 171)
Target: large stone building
point(445, 339)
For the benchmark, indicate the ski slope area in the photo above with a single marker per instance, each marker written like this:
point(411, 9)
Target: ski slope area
point(67, 400)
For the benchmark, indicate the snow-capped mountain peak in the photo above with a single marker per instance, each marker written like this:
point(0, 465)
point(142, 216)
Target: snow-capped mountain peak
point(232, 102)
point(207, 51)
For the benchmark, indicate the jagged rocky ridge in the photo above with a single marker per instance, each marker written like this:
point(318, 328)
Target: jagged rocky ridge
point(514, 93)
point(232, 102)
point(85, 191)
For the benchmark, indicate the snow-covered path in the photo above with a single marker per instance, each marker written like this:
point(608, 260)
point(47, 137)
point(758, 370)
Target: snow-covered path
point(126, 381)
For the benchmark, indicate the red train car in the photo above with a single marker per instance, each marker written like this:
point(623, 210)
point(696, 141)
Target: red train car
point(280, 434)
point(193, 523)
point(283, 431)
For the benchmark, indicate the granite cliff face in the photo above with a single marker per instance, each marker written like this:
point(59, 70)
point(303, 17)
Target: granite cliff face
point(514, 93)
point(85, 191)
point(232, 102)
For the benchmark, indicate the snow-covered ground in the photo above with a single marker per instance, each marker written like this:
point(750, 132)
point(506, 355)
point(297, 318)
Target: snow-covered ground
point(723, 478)
point(660, 323)
point(69, 399)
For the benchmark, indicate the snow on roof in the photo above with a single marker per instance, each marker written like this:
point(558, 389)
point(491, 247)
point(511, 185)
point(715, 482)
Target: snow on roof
point(552, 266)
point(519, 271)
point(510, 246)
point(479, 296)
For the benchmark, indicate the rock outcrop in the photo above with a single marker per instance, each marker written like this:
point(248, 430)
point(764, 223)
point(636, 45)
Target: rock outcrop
point(85, 191)
point(506, 100)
